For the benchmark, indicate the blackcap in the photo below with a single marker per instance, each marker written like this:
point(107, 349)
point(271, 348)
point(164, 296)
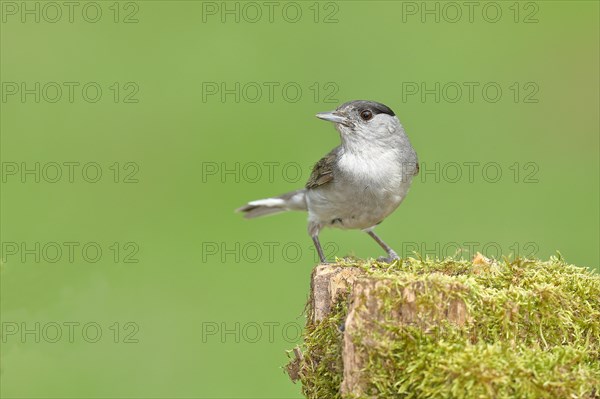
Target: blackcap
point(360, 182)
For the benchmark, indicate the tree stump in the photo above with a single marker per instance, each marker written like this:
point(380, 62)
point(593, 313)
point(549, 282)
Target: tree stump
point(451, 329)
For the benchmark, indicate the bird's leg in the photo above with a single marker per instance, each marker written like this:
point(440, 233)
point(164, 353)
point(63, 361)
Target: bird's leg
point(392, 255)
point(315, 239)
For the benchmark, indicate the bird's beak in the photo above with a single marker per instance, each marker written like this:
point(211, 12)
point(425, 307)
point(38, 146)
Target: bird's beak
point(334, 116)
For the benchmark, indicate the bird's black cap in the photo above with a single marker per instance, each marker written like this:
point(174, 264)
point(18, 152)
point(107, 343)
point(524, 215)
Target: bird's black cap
point(363, 105)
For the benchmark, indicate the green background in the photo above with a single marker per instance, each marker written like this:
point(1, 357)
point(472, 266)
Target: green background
point(176, 214)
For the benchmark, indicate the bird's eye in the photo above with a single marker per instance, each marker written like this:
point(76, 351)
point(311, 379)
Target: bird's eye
point(366, 115)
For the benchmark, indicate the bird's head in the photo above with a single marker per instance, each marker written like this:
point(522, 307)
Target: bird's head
point(361, 122)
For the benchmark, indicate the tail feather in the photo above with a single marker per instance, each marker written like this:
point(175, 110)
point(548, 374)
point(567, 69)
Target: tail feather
point(295, 200)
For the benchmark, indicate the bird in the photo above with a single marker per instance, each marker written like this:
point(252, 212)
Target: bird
point(357, 184)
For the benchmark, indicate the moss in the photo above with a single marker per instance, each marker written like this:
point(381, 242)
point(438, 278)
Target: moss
point(321, 372)
point(529, 329)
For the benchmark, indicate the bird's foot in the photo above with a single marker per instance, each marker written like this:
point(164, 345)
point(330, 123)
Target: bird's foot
point(392, 256)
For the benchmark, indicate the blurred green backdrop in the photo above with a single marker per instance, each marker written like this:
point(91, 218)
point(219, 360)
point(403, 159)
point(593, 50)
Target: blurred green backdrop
point(193, 301)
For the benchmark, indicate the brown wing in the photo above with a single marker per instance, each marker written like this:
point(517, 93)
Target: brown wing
point(322, 172)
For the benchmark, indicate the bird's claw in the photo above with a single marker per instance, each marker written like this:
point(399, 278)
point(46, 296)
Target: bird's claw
point(393, 256)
